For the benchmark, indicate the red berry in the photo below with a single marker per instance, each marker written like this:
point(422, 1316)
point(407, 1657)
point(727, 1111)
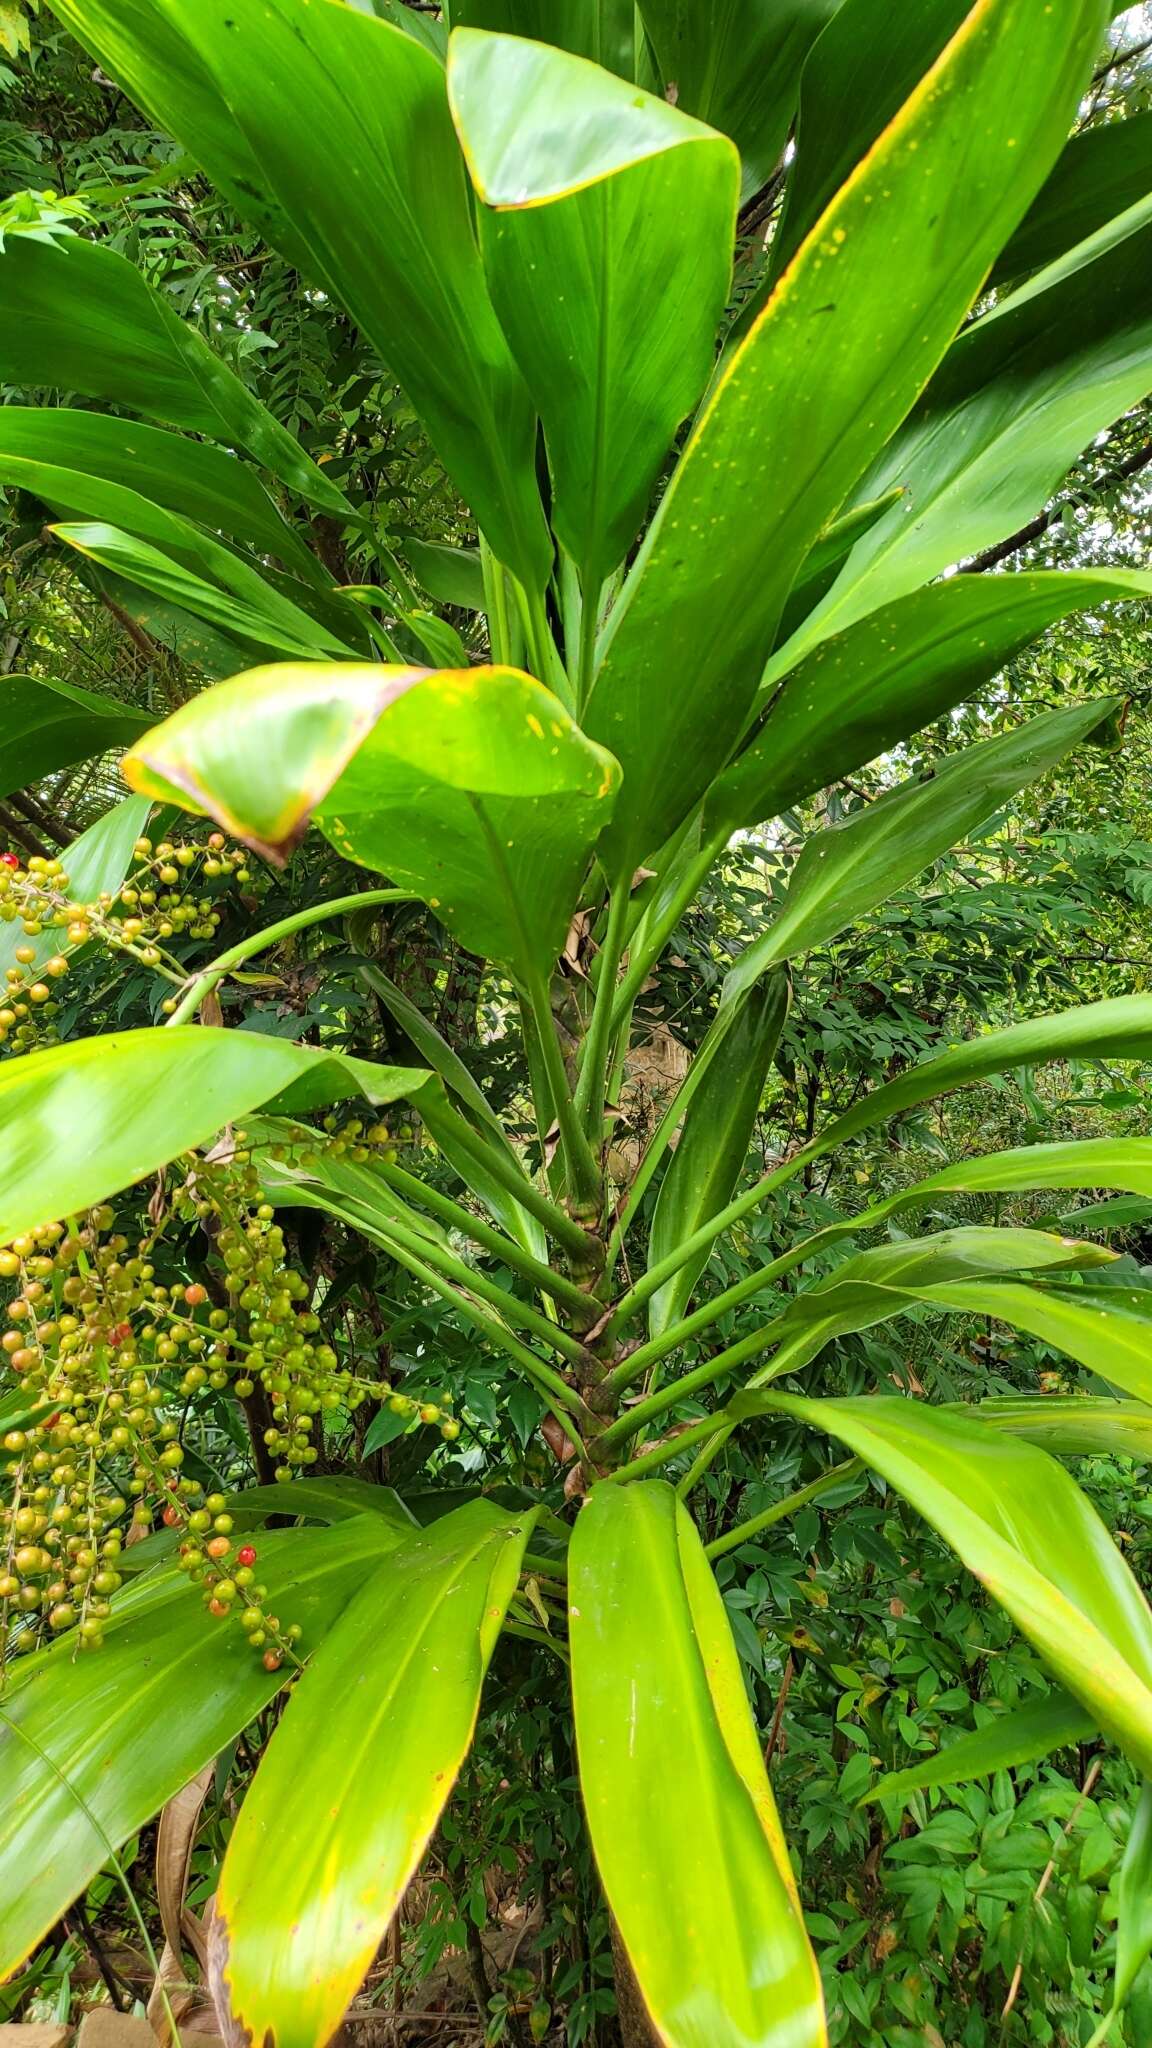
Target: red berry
point(120, 1333)
point(171, 1518)
point(218, 1607)
point(9, 860)
point(195, 1294)
point(245, 1554)
point(271, 1660)
point(218, 1547)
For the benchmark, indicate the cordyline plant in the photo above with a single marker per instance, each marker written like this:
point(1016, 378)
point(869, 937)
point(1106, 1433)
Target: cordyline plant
point(690, 633)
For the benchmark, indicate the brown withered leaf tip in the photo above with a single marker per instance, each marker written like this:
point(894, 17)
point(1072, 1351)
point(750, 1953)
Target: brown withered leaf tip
point(231, 2032)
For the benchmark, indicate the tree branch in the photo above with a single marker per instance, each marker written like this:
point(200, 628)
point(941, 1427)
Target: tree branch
point(1038, 527)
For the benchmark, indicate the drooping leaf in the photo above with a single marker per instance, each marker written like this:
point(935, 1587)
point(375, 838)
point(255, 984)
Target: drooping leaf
point(1120, 1028)
point(1073, 1425)
point(1101, 173)
point(310, 91)
point(1016, 399)
point(805, 404)
point(1071, 1163)
point(223, 588)
point(1018, 1736)
point(1108, 1329)
point(607, 237)
point(81, 317)
point(474, 787)
point(1019, 1522)
point(90, 1746)
point(737, 66)
point(83, 1120)
point(716, 1940)
point(890, 674)
point(714, 1142)
point(331, 1497)
point(365, 1757)
point(46, 725)
point(849, 869)
point(40, 445)
point(1134, 1900)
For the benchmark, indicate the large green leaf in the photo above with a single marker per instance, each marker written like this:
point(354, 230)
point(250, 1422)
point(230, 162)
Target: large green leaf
point(79, 316)
point(1015, 401)
point(41, 445)
point(91, 1748)
point(474, 787)
point(859, 692)
point(46, 725)
point(607, 239)
point(849, 869)
point(683, 1823)
point(603, 30)
point(1101, 173)
point(1019, 1522)
point(222, 588)
point(81, 1121)
point(364, 1760)
point(1015, 1737)
point(714, 1141)
point(346, 121)
point(1118, 1029)
point(818, 386)
point(736, 64)
point(867, 44)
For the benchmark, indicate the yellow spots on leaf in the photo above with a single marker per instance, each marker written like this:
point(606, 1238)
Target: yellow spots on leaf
point(534, 725)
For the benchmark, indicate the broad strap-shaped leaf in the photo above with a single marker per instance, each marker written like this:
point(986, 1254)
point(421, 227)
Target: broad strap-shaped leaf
point(346, 120)
point(92, 1747)
point(607, 237)
point(83, 1120)
point(1117, 1029)
point(450, 575)
point(221, 587)
point(41, 445)
point(1134, 1902)
point(849, 869)
point(888, 1280)
point(1071, 1163)
point(1101, 173)
point(1073, 1425)
point(1019, 1736)
point(714, 1141)
point(821, 381)
point(46, 725)
point(1017, 398)
point(80, 316)
point(1108, 1329)
point(365, 1757)
point(857, 78)
point(328, 1497)
point(736, 64)
point(884, 678)
point(714, 1932)
point(473, 787)
point(1019, 1522)
point(604, 30)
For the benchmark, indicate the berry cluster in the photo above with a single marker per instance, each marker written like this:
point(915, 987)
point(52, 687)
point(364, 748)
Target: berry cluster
point(172, 893)
point(108, 1357)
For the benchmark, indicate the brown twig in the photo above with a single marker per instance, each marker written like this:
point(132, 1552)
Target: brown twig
point(781, 1703)
point(1048, 1873)
point(1038, 527)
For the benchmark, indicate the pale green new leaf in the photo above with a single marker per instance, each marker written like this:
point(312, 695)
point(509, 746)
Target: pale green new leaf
point(365, 1758)
point(607, 227)
point(663, 1732)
